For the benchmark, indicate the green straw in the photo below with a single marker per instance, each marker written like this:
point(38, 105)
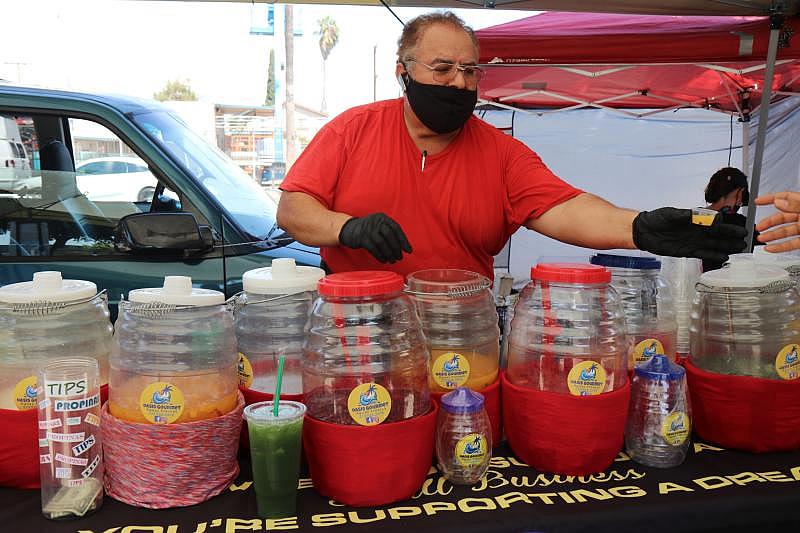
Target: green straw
point(277, 398)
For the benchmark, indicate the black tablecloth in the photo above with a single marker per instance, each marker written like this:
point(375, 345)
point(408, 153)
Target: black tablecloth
point(714, 490)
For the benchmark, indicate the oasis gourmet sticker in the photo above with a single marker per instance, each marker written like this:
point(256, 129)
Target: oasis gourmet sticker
point(245, 371)
point(787, 363)
point(450, 370)
point(587, 378)
point(646, 349)
point(369, 404)
point(676, 428)
point(161, 403)
point(25, 393)
point(471, 450)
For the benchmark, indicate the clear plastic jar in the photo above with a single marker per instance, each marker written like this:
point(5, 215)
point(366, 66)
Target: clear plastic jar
point(568, 332)
point(745, 322)
point(174, 355)
point(463, 437)
point(272, 320)
point(366, 360)
point(659, 418)
point(647, 303)
point(45, 319)
point(459, 319)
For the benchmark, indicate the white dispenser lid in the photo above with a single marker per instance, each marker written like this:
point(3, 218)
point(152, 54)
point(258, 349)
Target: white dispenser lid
point(744, 273)
point(283, 277)
point(47, 286)
point(177, 290)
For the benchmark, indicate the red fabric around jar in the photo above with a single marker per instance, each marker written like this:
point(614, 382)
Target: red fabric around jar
point(493, 404)
point(565, 434)
point(19, 447)
point(365, 466)
point(170, 465)
point(745, 413)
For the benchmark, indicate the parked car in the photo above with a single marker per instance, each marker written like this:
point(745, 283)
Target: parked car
point(205, 217)
point(98, 179)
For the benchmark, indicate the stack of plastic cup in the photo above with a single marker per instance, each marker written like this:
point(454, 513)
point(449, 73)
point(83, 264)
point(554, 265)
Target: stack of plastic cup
point(682, 273)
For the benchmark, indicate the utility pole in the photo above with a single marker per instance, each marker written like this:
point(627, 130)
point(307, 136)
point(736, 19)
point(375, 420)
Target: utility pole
point(291, 145)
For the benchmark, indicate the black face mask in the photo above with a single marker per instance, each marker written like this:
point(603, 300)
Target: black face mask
point(730, 209)
point(441, 108)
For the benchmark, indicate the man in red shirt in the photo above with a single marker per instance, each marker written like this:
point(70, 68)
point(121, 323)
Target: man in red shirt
point(420, 182)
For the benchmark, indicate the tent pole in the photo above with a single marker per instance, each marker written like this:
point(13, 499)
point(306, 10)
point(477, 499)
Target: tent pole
point(776, 22)
point(746, 149)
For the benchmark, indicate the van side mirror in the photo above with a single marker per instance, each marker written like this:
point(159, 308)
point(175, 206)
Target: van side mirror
point(162, 232)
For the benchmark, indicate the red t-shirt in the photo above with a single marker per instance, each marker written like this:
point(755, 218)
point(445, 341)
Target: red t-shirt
point(457, 212)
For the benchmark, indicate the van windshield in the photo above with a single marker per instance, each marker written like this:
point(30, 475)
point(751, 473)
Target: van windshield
point(236, 192)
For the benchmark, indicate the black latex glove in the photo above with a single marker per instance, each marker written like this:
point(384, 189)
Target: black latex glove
point(378, 234)
point(669, 231)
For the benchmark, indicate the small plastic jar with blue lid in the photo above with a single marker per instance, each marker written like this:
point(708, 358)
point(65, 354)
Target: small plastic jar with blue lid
point(463, 437)
point(659, 419)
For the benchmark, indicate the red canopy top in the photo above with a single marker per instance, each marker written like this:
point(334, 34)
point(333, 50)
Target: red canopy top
point(672, 59)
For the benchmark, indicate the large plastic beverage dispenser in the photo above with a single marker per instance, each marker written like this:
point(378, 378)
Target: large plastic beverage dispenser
point(459, 319)
point(568, 332)
point(745, 322)
point(647, 303)
point(174, 356)
point(366, 360)
point(45, 319)
point(272, 320)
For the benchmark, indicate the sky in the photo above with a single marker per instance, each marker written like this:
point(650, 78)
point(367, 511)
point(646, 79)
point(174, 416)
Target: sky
point(134, 47)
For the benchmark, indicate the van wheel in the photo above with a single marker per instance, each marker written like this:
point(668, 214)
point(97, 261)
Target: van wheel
point(146, 194)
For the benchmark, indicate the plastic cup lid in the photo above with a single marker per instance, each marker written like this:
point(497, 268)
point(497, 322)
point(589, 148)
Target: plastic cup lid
point(262, 412)
point(177, 290)
point(638, 262)
point(660, 367)
point(462, 401)
point(744, 273)
point(283, 277)
point(47, 286)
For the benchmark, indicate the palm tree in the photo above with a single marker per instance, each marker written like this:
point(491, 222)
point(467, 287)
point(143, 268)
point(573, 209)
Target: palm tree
point(328, 37)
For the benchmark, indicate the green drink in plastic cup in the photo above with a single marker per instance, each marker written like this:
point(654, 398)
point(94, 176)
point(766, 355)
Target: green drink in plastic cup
point(275, 444)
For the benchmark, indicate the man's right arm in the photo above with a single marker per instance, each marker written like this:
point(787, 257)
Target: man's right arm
point(308, 221)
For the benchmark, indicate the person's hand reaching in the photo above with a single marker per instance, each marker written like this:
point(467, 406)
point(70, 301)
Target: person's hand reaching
point(669, 231)
point(377, 233)
point(784, 223)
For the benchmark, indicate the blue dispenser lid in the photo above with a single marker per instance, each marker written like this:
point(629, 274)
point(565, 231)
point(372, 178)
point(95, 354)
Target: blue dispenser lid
point(462, 401)
point(639, 262)
point(660, 367)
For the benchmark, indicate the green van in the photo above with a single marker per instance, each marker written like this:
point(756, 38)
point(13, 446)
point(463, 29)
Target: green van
point(162, 201)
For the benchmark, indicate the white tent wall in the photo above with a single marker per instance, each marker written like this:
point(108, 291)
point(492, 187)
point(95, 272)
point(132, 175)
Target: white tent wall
point(644, 163)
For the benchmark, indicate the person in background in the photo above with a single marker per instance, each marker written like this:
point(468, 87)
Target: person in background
point(727, 191)
point(421, 182)
point(785, 223)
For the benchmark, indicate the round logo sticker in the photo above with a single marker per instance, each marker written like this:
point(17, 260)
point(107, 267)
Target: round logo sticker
point(646, 349)
point(25, 393)
point(369, 404)
point(587, 378)
point(787, 363)
point(675, 428)
point(471, 450)
point(450, 370)
point(161, 403)
point(245, 371)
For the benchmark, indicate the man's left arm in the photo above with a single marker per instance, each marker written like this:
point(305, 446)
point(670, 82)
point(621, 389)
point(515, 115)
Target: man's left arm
point(589, 221)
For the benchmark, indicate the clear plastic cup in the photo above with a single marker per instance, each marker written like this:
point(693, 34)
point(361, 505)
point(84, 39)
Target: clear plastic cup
point(275, 445)
point(70, 456)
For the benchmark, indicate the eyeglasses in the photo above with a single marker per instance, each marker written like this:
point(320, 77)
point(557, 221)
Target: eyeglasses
point(444, 72)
